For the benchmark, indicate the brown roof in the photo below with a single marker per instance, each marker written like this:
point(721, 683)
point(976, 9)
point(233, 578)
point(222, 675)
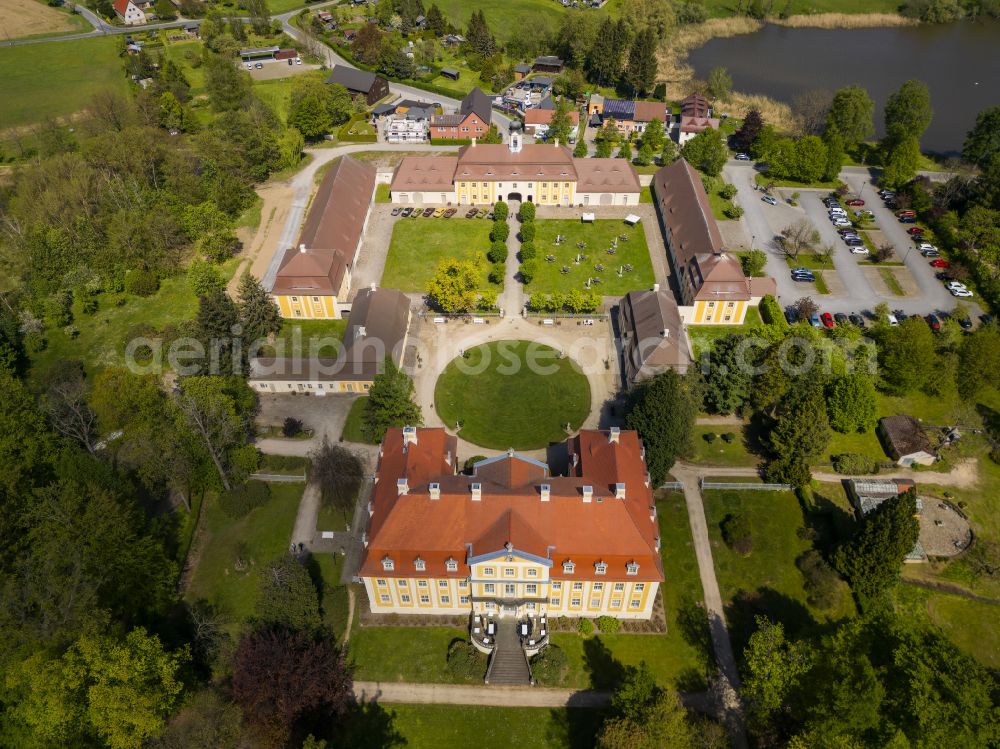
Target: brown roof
point(652, 336)
point(721, 278)
point(905, 435)
point(695, 105)
point(684, 208)
point(647, 111)
point(538, 116)
point(377, 328)
point(428, 173)
point(761, 286)
point(447, 120)
point(606, 175)
point(305, 272)
point(495, 161)
point(337, 216)
point(479, 103)
point(565, 528)
point(698, 124)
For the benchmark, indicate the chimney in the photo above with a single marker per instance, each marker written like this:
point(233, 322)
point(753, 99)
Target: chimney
point(373, 287)
point(447, 457)
point(477, 492)
point(619, 490)
point(371, 509)
point(557, 143)
point(409, 433)
point(361, 332)
point(402, 487)
point(652, 513)
point(656, 287)
point(302, 248)
point(435, 490)
point(576, 459)
point(666, 332)
point(614, 434)
point(546, 492)
point(588, 493)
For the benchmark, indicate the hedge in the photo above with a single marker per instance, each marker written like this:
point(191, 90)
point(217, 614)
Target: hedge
point(450, 141)
point(528, 231)
point(500, 231)
point(854, 464)
point(497, 253)
point(528, 251)
point(770, 312)
point(238, 502)
point(269, 463)
point(141, 283)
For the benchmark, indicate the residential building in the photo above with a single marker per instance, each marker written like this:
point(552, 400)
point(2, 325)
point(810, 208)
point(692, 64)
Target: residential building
point(472, 120)
point(313, 281)
point(595, 105)
point(695, 105)
point(377, 327)
point(406, 129)
point(652, 336)
point(536, 121)
point(629, 116)
point(482, 174)
point(521, 71)
point(689, 127)
point(130, 12)
point(360, 82)
point(547, 64)
point(511, 539)
point(713, 288)
point(905, 440)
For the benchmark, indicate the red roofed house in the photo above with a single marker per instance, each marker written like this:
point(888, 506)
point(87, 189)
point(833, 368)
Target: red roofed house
point(536, 120)
point(130, 11)
point(512, 540)
point(472, 120)
point(712, 285)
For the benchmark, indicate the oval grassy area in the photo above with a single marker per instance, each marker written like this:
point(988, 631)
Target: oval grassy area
point(512, 394)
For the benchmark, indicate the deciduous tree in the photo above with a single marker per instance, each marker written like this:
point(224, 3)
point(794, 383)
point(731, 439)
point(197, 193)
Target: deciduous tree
point(663, 410)
point(851, 113)
point(339, 472)
point(706, 152)
point(852, 403)
point(908, 112)
point(390, 403)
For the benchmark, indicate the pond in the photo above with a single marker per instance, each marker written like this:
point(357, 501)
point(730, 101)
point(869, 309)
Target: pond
point(959, 62)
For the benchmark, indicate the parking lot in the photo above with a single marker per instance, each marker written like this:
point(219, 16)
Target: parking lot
point(272, 70)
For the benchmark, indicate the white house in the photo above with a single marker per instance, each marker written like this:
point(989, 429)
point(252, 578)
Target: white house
point(130, 12)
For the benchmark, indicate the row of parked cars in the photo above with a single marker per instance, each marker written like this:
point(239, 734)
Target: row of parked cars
point(828, 320)
point(440, 213)
point(928, 250)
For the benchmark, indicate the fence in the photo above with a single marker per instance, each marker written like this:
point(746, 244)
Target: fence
point(745, 485)
point(671, 485)
point(279, 478)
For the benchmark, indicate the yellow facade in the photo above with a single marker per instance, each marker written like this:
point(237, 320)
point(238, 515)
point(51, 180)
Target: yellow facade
point(318, 388)
point(543, 192)
point(719, 313)
point(308, 307)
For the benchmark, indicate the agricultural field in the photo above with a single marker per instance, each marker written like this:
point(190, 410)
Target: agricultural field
point(21, 19)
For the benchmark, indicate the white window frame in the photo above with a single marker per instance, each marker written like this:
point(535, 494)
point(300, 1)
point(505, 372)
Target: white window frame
point(489, 589)
point(632, 568)
point(419, 564)
point(569, 567)
point(451, 565)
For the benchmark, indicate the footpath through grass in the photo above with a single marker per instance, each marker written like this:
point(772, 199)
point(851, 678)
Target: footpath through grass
point(597, 263)
point(42, 82)
point(512, 394)
point(419, 244)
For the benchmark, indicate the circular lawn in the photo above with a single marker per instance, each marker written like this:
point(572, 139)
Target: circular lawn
point(512, 394)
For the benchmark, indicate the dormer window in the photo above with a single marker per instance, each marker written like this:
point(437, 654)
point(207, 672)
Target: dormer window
point(387, 564)
point(601, 568)
point(632, 568)
point(569, 567)
point(451, 565)
point(419, 564)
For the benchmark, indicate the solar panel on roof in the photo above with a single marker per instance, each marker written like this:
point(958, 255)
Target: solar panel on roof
point(619, 108)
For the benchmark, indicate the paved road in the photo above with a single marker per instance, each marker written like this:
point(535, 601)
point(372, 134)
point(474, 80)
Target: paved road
point(101, 28)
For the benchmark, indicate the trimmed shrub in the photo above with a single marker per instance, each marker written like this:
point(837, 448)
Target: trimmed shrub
point(822, 583)
point(710, 437)
point(497, 273)
point(141, 283)
point(549, 667)
point(585, 627)
point(291, 427)
point(497, 253)
point(733, 211)
point(528, 271)
point(465, 662)
point(500, 211)
point(238, 502)
point(770, 312)
point(500, 231)
point(608, 625)
point(728, 191)
point(528, 231)
point(526, 212)
point(736, 532)
point(729, 438)
point(471, 462)
point(269, 462)
point(528, 251)
point(854, 464)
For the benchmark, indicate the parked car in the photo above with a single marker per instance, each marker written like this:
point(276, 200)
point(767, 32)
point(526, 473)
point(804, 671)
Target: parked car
point(857, 319)
point(892, 320)
point(954, 284)
point(962, 293)
point(259, 66)
point(291, 61)
point(855, 202)
point(438, 212)
point(450, 212)
point(933, 322)
point(803, 277)
point(428, 212)
point(916, 231)
point(827, 319)
point(939, 263)
point(841, 222)
point(859, 250)
point(931, 253)
point(472, 213)
point(840, 317)
point(742, 157)
point(396, 211)
point(838, 210)
point(814, 320)
point(249, 66)
point(921, 245)
point(770, 200)
point(791, 315)
point(965, 323)
point(908, 219)
point(905, 212)
point(891, 204)
point(405, 212)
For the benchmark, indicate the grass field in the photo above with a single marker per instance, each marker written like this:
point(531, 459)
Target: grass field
point(598, 237)
point(32, 18)
point(971, 625)
point(40, 82)
point(767, 580)
point(418, 244)
point(417, 654)
point(703, 336)
point(352, 427)
point(720, 452)
point(259, 537)
point(504, 19)
point(500, 408)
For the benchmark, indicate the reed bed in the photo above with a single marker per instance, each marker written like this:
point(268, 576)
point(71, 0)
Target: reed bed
point(845, 21)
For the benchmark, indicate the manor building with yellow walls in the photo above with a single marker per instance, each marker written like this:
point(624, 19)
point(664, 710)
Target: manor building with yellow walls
point(511, 539)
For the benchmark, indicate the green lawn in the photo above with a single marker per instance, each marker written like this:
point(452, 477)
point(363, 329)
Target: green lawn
point(307, 337)
point(357, 130)
point(703, 336)
point(383, 193)
point(720, 452)
point(865, 443)
point(40, 82)
point(598, 237)
point(416, 654)
point(418, 245)
point(505, 19)
point(719, 204)
point(259, 537)
point(462, 726)
point(503, 403)
point(188, 55)
point(763, 180)
point(810, 260)
point(352, 427)
point(767, 580)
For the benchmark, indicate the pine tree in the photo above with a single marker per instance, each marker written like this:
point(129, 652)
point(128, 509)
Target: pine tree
point(259, 314)
point(479, 36)
point(601, 58)
point(390, 403)
point(580, 152)
point(216, 325)
point(641, 74)
point(435, 20)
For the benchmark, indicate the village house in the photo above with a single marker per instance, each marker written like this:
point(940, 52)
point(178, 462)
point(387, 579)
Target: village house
point(545, 174)
point(536, 121)
point(547, 64)
point(472, 120)
point(695, 117)
point(652, 336)
point(313, 280)
point(131, 12)
point(712, 285)
point(905, 440)
point(629, 116)
point(360, 82)
point(512, 539)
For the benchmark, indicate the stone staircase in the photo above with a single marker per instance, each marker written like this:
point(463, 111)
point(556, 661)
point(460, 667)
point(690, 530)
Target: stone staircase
point(508, 664)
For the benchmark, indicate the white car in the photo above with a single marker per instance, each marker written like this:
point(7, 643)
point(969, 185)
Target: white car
point(893, 321)
point(742, 157)
point(926, 247)
point(841, 222)
point(249, 66)
point(298, 60)
point(955, 285)
point(859, 250)
point(964, 293)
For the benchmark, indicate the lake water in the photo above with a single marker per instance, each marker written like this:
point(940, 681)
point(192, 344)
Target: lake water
point(959, 62)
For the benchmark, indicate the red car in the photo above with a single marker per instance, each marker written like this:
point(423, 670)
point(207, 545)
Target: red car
point(827, 319)
point(915, 231)
point(901, 214)
point(855, 202)
point(939, 263)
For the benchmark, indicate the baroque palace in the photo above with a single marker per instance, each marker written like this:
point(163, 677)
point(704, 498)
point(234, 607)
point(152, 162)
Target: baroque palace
point(512, 539)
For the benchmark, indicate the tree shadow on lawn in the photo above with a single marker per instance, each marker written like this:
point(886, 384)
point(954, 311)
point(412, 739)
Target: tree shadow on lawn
point(574, 728)
point(368, 725)
point(605, 672)
point(755, 436)
point(692, 621)
point(826, 523)
point(746, 606)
